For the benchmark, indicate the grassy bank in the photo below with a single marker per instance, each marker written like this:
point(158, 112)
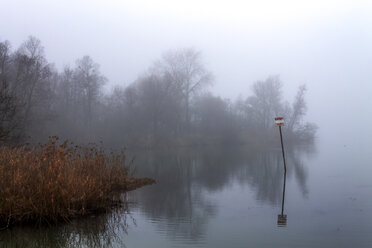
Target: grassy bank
point(54, 183)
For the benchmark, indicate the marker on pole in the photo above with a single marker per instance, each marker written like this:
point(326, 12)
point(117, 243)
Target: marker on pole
point(279, 121)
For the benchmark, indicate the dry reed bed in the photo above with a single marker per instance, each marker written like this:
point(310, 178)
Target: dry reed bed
point(53, 183)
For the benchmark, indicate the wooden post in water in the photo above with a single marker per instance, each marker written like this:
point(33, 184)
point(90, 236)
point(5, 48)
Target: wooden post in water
point(282, 218)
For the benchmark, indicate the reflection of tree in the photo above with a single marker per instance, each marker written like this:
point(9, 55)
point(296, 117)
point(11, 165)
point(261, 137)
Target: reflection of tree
point(300, 173)
point(264, 172)
point(175, 198)
point(99, 231)
point(179, 199)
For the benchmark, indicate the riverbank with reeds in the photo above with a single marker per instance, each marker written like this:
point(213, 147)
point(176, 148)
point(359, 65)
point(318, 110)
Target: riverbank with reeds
point(54, 183)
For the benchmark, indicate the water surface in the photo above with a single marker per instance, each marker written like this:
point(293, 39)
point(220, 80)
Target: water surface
point(232, 197)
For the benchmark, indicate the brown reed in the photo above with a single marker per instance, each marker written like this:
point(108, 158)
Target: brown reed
point(53, 183)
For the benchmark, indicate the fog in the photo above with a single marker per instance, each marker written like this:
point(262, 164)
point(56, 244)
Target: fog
point(188, 91)
point(323, 44)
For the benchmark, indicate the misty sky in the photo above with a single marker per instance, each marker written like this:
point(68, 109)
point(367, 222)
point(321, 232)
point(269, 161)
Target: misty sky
point(325, 44)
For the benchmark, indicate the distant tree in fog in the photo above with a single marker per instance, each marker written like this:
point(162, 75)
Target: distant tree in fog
point(90, 83)
point(26, 86)
point(78, 100)
point(8, 122)
point(296, 126)
point(266, 101)
point(68, 105)
point(152, 107)
point(165, 105)
point(214, 119)
point(4, 59)
point(258, 111)
point(32, 78)
point(69, 92)
point(186, 70)
point(160, 104)
point(298, 108)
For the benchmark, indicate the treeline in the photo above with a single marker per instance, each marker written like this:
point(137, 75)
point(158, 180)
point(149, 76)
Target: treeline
point(167, 105)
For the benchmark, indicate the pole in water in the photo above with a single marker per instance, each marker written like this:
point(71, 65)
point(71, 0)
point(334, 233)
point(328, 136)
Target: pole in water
point(279, 121)
point(282, 218)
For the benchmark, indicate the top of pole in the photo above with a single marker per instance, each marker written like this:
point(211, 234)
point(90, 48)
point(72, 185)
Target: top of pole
point(279, 121)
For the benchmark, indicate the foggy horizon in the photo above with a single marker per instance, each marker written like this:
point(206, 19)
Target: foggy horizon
point(323, 44)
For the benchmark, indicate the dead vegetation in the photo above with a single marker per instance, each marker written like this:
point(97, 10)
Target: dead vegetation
point(53, 183)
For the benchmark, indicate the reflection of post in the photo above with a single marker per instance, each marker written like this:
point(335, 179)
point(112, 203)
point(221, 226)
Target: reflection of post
point(282, 218)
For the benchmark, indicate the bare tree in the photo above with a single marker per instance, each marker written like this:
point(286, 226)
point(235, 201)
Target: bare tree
point(298, 108)
point(4, 60)
point(90, 81)
point(266, 103)
point(9, 123)
point(187, 72)
point(32, 77)
point(24, 86)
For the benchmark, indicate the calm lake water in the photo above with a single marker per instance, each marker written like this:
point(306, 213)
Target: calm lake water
point(232, 197)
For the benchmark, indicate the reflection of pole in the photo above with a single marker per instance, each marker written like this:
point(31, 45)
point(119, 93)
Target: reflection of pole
point(282, 218)
point(285, 177)
point(281, 140)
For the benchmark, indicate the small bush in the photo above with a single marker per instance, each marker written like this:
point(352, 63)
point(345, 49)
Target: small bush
point(53, 182)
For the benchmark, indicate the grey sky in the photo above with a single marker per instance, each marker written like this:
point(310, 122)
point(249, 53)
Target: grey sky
point(325, 44)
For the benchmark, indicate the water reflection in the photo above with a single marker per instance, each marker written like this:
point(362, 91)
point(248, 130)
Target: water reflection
point(186, 200)
point(282, 218)
point(104, 230)
point(180, 203)
point(177, 197)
